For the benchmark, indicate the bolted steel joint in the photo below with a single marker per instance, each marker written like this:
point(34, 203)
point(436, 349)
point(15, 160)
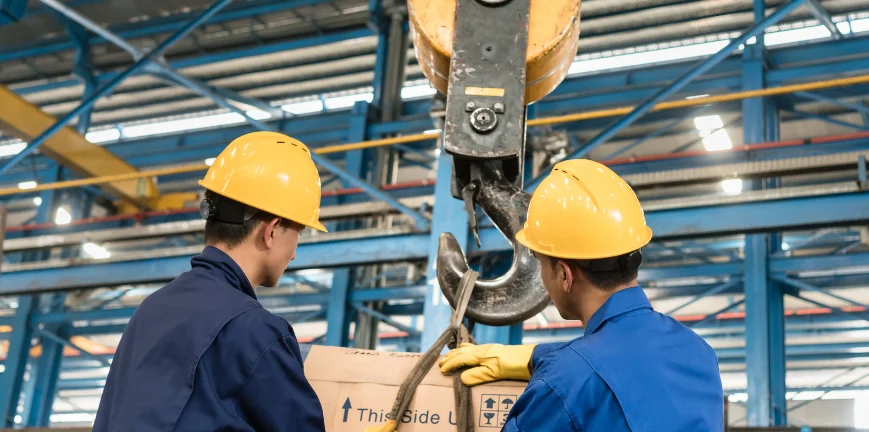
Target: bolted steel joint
point(483, 120)
point(499, 108)
point(470, 107)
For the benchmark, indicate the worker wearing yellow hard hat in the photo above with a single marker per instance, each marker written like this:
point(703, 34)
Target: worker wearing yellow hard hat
point(634, 369)
point(202, 353)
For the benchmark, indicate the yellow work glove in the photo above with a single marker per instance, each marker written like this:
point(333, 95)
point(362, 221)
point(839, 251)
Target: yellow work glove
point(389, 426)
point(489, 363)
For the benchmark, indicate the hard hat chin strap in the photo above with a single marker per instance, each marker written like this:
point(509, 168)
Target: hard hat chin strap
point(629, 261)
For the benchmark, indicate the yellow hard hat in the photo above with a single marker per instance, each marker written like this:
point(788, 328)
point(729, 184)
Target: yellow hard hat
point(583, 210)
point(271, 172)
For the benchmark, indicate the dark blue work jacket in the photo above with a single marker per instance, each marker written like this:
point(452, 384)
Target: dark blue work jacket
point(634, 370)
point(201, 354)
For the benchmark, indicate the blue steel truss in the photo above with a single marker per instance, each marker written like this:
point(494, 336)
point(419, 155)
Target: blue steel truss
point(728, 250)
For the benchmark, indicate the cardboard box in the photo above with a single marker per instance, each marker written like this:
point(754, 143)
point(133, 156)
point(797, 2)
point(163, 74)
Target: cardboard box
point(357, 389)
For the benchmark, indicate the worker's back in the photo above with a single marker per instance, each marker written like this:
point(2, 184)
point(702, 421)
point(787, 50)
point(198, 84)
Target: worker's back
point(634, 370)
point(202, 354)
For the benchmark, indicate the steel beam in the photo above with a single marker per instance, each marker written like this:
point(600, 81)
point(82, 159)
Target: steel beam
point(826, 119)
point(449, 216)
point(823, 15)
point(660, 131)
point(12, 378)
point(106, 88)
point(832, 101)
point(338, 316)
point(682, 81)
point(73, 345)
point(712, 291)
point(161, 25)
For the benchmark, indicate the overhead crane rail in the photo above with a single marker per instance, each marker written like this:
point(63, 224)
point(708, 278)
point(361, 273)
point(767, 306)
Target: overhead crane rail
point(546, 121)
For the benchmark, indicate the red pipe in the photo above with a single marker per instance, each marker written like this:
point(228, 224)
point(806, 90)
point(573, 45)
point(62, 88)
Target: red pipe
point(145, 215)
point(620, 161)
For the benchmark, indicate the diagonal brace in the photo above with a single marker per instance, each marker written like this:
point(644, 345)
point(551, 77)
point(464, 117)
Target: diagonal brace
point(73, 345)
point(385, 318)
point(680, 83)
point(108, 87)
point(823, 15)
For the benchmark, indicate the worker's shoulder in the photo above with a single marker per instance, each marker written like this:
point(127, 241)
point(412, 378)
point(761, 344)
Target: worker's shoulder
point(566, 367)
point(262, 320)
point(688, 336)
point(257, 328)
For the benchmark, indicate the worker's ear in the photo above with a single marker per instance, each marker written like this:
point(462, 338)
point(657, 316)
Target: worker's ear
point(270, 232)
point(567, 281)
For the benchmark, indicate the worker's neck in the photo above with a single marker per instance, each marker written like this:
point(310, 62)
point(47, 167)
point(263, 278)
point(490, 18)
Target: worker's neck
point(247, 259)
point(594, 298)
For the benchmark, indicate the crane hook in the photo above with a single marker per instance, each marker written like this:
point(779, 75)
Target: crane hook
point(519, 293)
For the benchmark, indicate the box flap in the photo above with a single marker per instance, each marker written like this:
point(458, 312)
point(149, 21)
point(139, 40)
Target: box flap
point(363, 366)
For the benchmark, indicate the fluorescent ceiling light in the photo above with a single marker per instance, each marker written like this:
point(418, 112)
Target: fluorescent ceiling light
point(647, 57)
point(103, 136)
point(306, 107)
point(752, 40)
point(785, 246)
point(844, 27)
point(12, 149)
point(808, 395)
point(732, 186)
point(27, 185)
point(708, 122)
point(95, 251)
point(72, 417)
point(717, 141)
point(37, 201)
point(417, 91)
point(62, 216)
point(845, 394)
point(348, 101)
point(738, 397)
point(796, 35)
point(860, 25)
point(192, 123)
point(697, 96)
point(209, 161)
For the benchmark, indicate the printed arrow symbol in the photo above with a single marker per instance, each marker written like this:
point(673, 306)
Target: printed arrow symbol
point(507, 403)
point(490, 403)
point(346, 408)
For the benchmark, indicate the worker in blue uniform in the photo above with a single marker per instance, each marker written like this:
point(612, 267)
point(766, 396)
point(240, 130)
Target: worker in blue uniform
point(201, 353)
point(634, 369)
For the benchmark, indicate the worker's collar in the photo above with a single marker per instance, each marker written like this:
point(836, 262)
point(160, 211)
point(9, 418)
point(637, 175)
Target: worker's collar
point(619, 303)
point(222, 266)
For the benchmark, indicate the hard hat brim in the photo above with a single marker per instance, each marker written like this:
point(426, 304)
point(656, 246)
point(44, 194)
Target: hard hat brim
point(314, 225)
point(523, 240)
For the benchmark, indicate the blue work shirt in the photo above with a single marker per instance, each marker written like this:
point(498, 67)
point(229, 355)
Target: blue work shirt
point(202, 354)
point(634, 370)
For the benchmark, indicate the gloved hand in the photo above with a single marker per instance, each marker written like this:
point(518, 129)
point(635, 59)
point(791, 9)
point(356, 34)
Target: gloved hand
point(489, 363)
point(389, 426)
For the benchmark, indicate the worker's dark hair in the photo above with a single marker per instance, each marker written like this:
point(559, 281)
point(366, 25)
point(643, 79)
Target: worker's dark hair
point(604, 280)
point(233, 234)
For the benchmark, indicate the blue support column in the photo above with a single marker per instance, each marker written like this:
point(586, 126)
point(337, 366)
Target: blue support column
point(764, 301)
point(448, 216)
point(338, 312)
point(45, 373)
point(15, 366)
